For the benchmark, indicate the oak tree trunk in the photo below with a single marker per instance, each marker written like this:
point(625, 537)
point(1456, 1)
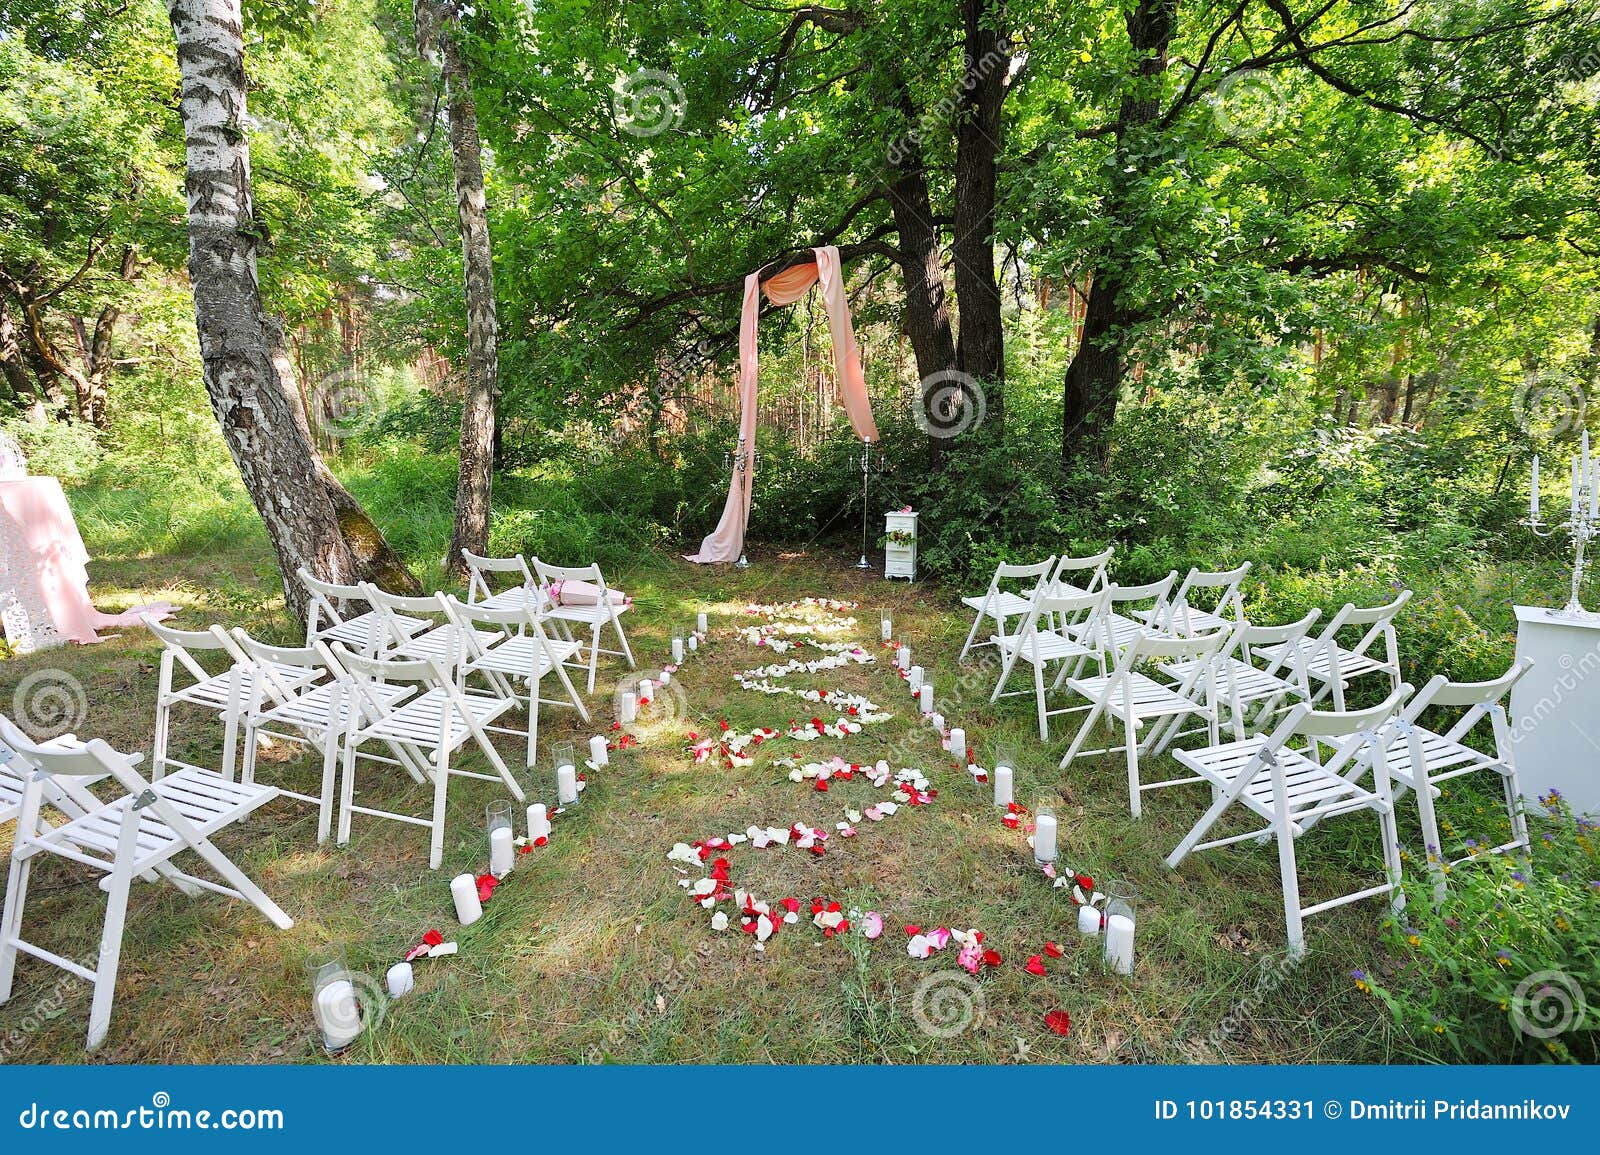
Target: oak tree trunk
point(437, 22)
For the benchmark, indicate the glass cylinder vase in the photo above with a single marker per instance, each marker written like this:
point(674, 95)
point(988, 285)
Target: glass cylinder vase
point(1119, 919)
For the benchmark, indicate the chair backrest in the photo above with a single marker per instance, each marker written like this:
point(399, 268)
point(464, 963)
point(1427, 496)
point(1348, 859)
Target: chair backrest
point(1347, 731)
point(1476, 698)
point(1159, 592)
point(1289, 635)
point(389, 607)
point(179, 647)
point(94, 758)
point(364, 671)
point(1036, 572)
point(1095, 563)
point(479, 570)
point(1229, 603)
point(569, 573)
point(524, 619)
point(266, 661)
point(1379, 621)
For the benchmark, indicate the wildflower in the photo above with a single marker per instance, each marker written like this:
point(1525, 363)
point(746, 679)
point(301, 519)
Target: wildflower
point(1503, 957)
point(1361, 981)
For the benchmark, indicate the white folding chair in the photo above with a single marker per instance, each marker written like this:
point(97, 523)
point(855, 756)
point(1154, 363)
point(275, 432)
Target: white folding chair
point(314, 715)
point(1186, 619)
point(999, 604)
point(1055, 629)
point(440, 640)
point(184, 681)
point(1088, 574)
point(433, 725)
point(481, 574)
point(1420, 758)
point(366, 632)
point(603, 613)
point(1292, 787)
point(518, 664)
point(70, 796)
point(1131, 699)
point(1245, 688)
point(1123, 622)
point(1334, 666)
point(135, 836)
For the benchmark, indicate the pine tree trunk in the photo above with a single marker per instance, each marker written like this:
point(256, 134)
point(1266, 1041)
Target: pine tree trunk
point(436, 23)
point(263, 428)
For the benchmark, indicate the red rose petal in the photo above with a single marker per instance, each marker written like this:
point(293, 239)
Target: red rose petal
point(991, 958)
point(913, 931)
point(1058, 1021)
point(433, 938)
point(1053, 950)
point(1034, 965)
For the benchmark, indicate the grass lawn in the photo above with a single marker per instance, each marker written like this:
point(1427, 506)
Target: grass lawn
point(591, 951)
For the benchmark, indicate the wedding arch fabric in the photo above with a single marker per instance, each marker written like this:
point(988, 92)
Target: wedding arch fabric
point(726, 542)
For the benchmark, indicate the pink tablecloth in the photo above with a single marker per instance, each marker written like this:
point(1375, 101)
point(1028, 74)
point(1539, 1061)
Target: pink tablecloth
point(44, 564)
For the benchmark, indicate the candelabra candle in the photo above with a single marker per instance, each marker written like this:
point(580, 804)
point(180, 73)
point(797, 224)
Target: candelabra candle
point(1580, 527)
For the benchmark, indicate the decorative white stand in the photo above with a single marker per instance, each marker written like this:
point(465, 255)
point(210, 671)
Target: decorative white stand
point(900, 560)
point(1555, 708)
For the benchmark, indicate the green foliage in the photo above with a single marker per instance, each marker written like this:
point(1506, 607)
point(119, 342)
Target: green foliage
point(1507, 968)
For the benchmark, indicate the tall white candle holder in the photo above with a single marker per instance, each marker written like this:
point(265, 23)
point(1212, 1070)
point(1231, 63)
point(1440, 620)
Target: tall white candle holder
point(864, 460)
point(1044, 832)
point(502, 858)
point(743, 461)
point(1119, 921)
point(566, 759)
point(1580, 527)
point(335, 1004)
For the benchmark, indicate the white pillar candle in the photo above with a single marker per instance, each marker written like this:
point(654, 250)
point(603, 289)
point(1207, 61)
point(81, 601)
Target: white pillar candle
point(958, 744)
point(694, 643)
point(647, 690)
point(902, 658)
point(1533, 497)
point(914, 679)
point(1003, 795)
point(887, 629)
point(566, 785)
point(338, 1014)
point(926, 693)
point(501, 857)
point(630, 708)
point(938, 723)
point(538, 821)
point(464, 889)
point(1044, 839)
point(700, 622)
point(666, 677)
point(598, 754)
point(677, 651)
point(402, 980)
point(1119, 943)
point(1088, 920)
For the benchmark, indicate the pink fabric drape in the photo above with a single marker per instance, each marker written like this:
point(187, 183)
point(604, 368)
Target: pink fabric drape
point(45, 557)
point(726, 542)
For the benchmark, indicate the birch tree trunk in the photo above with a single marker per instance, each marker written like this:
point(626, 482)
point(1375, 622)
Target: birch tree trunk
point(437, 22)
point(262, 426)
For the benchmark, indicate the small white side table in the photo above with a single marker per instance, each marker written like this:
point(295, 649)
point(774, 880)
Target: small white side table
point(900, 560)
point(1555, 708)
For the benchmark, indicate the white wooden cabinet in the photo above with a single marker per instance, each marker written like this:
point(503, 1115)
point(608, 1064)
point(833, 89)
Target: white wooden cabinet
point(900, 558)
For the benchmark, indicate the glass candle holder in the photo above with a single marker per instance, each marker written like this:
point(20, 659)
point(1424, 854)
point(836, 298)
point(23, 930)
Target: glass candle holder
point(1002, 773)
point(1119, 918)
point(566, 759)
point(1044, 831)
point(677, 649)
point(335, 1005)
point(886, 626)
point(501, 856)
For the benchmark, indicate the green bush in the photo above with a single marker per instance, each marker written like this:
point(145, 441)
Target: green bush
point(1510, 955)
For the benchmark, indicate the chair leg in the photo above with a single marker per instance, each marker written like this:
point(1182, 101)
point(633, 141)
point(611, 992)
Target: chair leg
point(158, 752)
point(441, 789)
point(627, 650)
point(1389, 832)
point(533, 719)
point(330, 766)
point(229, 872)
point(594, 654)
point(977, 621)
point(1038, 694)
point(105, 977)
point(1083, 732)
point(347, 789)
point(1130, 737)
point(1289, 869)
point(11, 922)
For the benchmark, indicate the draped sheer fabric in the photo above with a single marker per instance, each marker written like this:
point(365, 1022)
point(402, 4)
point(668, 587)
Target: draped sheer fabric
point(726, 542)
